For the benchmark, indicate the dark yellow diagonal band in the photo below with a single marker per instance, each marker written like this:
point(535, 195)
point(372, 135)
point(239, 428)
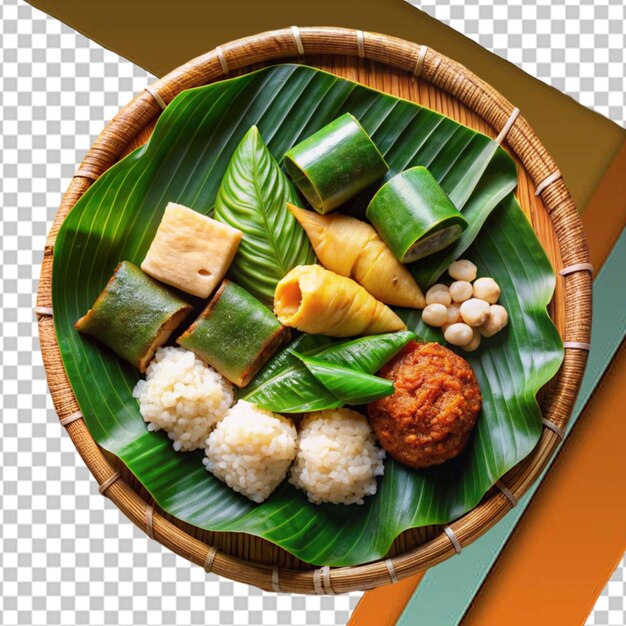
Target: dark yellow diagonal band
point(161, 34)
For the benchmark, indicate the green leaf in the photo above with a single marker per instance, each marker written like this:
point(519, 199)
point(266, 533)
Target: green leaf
point(184, 162)
point(304, 344)
point(346, 384)
point(288, 385)
point(253, 198)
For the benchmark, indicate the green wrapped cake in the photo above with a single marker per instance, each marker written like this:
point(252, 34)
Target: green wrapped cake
point(133, 315)
point(236, 334)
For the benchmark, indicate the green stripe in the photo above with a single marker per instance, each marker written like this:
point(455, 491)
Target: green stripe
point(447, 590)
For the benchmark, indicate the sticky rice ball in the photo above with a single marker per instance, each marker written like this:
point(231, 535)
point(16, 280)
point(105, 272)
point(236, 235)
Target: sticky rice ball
point(338, 459)
point(183, 396)
point(251, 450)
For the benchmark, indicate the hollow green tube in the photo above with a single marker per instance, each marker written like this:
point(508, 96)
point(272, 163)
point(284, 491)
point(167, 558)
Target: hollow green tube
point(133, 315)
point(236, 334)
point(414, 216)
point(335, 164)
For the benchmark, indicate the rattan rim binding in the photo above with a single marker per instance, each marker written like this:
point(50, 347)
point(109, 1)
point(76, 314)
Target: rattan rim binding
point(298, 39)
point(276, 578)
point(577, 345)
point(66, 421)
point(576, 267)
point(85, 173)
point(419, 64)
point(210, 558)
point(436, 68)
point(222, 57)
point(108, 482)
point(317, 582)
point(328, 588)
point(507, 127)
point(554, 428)
point(506, 492)
point(321, 581)
point(149, 521)
point(157, 98)
point(454, 540)
point(360, 43)
point(392, 570)
point(547, 181)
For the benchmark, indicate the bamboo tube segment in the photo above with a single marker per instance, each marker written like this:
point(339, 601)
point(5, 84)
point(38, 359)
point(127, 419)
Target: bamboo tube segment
point(335, 163)
point(414, 216)
point(317, 301)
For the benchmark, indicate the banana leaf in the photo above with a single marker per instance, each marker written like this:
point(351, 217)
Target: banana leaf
point(301, 378)
point(348, 385)
point(184, 162)
point(252, 198)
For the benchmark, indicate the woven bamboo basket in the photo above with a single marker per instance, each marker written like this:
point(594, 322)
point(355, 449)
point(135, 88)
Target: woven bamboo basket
point(419, 74)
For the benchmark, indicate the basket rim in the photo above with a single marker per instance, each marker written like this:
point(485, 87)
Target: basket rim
point(449, 76)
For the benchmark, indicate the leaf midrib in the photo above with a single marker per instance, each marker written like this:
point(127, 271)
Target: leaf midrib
point(256, 178)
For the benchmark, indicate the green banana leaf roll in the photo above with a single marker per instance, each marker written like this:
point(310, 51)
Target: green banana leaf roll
point(133, 315)
point(350, 386)
point(335, 163)
point(236, 334)
point(414, 215)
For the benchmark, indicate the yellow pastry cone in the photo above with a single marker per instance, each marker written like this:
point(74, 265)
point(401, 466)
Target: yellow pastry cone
point(317, 301)
point(354, 249)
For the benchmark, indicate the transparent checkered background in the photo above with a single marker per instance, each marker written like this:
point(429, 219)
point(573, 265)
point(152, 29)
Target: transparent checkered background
point(577, 46)
point(67, 555)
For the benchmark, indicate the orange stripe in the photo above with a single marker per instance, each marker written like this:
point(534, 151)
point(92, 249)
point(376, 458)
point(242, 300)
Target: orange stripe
point(382, 606)
point(604, 219)
point(574, 531)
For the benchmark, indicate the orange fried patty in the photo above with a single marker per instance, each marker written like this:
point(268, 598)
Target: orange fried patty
point(430, 416)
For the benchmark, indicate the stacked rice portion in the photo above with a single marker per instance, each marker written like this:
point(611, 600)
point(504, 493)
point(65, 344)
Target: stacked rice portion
point(183, 396)
point(251, 450)
point(334, 458)
point(338, 459)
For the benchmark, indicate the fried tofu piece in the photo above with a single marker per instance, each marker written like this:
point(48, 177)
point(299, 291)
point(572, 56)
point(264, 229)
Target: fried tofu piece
point(191, 251)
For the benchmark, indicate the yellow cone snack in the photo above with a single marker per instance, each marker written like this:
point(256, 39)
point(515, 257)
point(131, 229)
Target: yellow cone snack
point(317, 301)
point(353, 248)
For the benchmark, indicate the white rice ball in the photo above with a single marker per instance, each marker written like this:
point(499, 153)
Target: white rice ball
point(251, 450)
point(183, 396)
point(338, 459)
